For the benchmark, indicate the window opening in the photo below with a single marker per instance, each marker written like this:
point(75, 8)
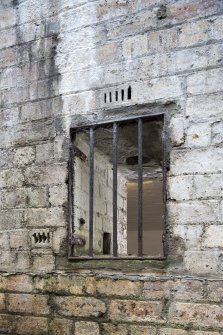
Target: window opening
point(117, 193)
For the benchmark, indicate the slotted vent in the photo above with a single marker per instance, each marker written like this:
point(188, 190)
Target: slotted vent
point(118, 95)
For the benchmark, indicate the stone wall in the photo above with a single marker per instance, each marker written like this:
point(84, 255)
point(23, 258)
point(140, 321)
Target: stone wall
point(57, 61)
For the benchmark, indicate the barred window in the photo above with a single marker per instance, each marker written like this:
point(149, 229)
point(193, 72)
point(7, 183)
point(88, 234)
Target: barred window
point(117, 189)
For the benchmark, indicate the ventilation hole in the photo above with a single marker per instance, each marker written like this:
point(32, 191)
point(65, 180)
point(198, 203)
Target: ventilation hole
point(106, 243)
point(129, 93)
point(41, 237)
point(116, 95)
point(123, 95)
point(105, 98)
point(110, 97)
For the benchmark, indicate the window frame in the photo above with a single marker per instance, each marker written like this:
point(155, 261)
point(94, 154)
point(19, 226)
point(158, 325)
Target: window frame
point(114, 122)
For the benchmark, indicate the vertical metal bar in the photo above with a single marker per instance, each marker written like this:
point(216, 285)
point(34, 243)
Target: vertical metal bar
point(164, 168)
point(114, 154)
point(91, 194)
point(140, 190)
point(70, 193)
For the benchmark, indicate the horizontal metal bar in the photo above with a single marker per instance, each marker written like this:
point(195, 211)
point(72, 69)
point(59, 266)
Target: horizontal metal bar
point(83, 258)
point(118, 121)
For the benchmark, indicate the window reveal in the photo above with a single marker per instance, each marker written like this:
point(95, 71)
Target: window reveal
point(117, 189)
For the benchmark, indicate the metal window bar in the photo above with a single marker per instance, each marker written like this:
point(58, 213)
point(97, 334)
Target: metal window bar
point(140, 190)
point(115, 125)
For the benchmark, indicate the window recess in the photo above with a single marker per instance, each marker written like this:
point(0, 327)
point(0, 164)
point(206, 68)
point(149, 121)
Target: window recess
point(117, 189)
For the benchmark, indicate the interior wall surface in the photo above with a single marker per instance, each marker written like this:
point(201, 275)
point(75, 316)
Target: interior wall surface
point(58, 59)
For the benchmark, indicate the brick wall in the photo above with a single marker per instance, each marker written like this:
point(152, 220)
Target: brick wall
point(57, 60)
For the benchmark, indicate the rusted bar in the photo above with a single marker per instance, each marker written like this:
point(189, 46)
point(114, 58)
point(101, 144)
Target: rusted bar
point(140, 190)
point(91, 194)
point(114, 153)
point(70, 192)
point(164, 170)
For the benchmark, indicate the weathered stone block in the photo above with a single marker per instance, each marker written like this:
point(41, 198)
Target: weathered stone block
point(203, 211)
point(44, 152)
point(205, 315)
point(60, 284)
point(141, 330)
point(79, 306)
point(43, 263)
point(135, 46)
point(208, 262)
point(118, 287)
point(28, 303)
point(45, 217)
point(193, 33)
point(183, 289)
point(19, 240)
point(60, 326)
point(213, 236)
point(198, 135)
point(45, 176)
point(109, 328)
point(58, 195)
point(215, 291)
point(83, 327)
point(205, 82)
point(217, 132)
point(2, 302)
point(31, 325)
point(19, 283)
point(130, 310)
point(207, 160)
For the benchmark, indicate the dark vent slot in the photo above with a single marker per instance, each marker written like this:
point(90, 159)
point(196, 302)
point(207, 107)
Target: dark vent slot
point(41, 237)
point(110, 97)
point(129, 93)
point(106, 244)
point(105, 98)
point(116, 95)
point(123, 95)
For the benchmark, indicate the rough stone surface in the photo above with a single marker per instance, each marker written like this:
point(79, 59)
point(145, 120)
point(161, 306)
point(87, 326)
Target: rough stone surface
point(58, 59)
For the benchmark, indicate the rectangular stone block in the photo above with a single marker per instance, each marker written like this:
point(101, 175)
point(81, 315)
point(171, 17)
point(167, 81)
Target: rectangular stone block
point(217, 132)
point(204, 82)
point(205, 315)
point(207, 160)
point(135, 46)
point(7, 323)
point(190, 235)
point(61, 326)
point(19, 240)
point(135, 311)
point(28, 303)
point(45, 217)
point(83, 327)
point(2, 302)
point(11, 218)
point(141, 330)
point(109, 328)
point(118, 287)
point(213, 236)
point(202, 211)
point(54, 174)
point(163, 40)
point(183, 289)
point(208, 262)
point(58, 195)
point(198, 135)
point(181, 187)
point(193, 33)
point(215, 291)
point(12, 178)
point(16, 283)
point(8, 38)
point(25, 325)
point(79, 306)
point(43, 263)
point(60, 284)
